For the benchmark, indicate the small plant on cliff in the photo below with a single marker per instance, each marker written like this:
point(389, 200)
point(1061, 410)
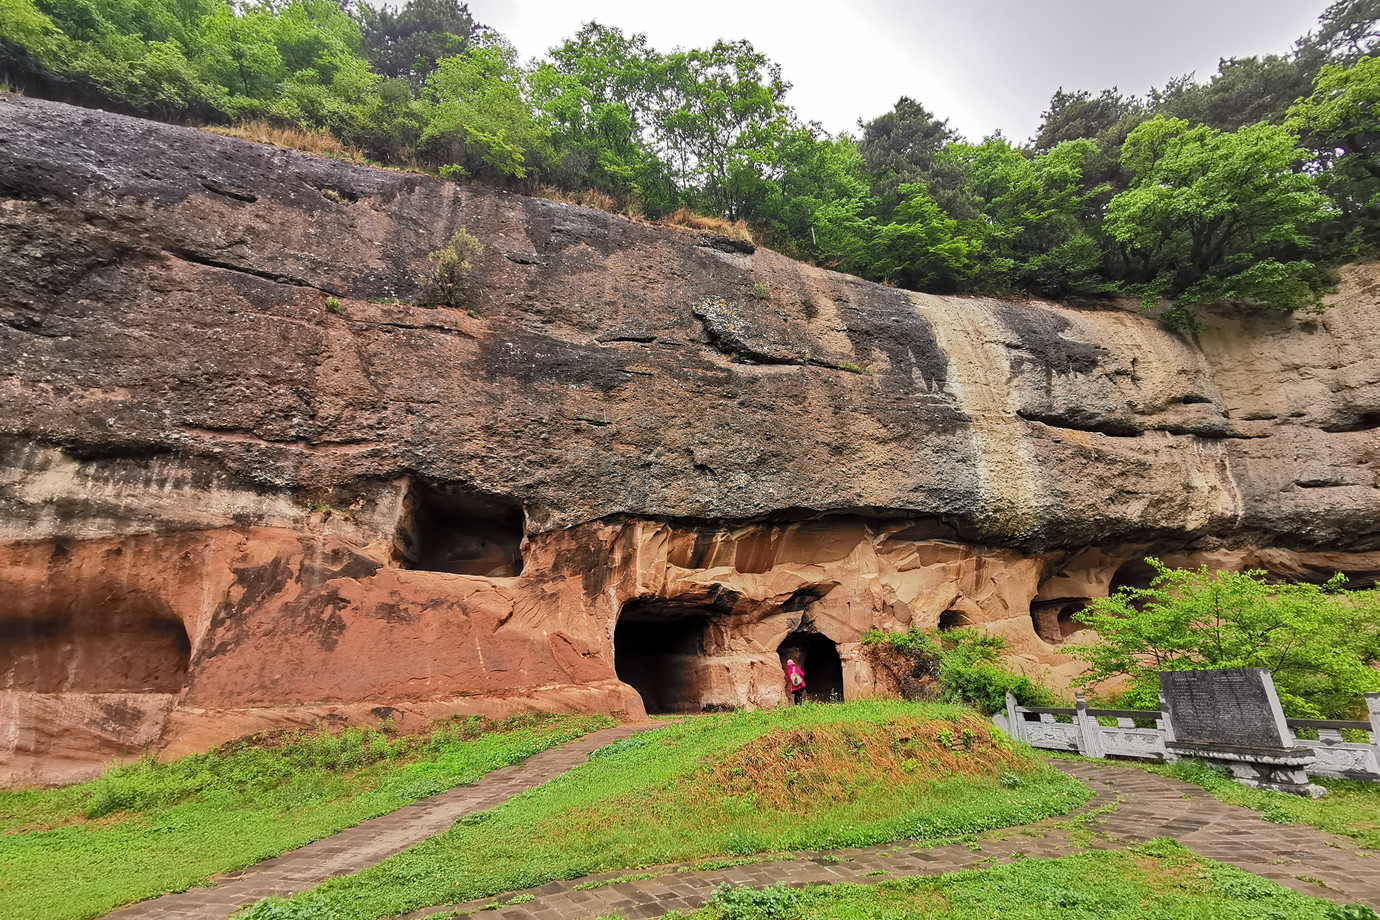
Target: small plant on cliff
point(333, 306)
point(955, 665)
point(451, 269)
point(1320, 643)
point(760, 290)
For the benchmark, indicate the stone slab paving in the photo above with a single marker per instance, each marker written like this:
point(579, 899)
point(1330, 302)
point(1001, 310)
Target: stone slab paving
point(1146, 806)
point(369, 842)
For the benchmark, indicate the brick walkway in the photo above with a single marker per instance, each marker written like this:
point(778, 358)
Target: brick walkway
point(371, 841)
point(1147, 806)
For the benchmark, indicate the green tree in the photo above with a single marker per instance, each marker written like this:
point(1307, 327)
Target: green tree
point(1340, 123)
point(594, 96)
point(1081, 115)
point(1348, 30)
point(1218, 216)
point(818, 207)
point(922, 247)
point(1244, 91)
point(477, 114)
point(1031, 225)
point(719, 119)
point(408, 43)
point(1320, 643)
point(905, 146)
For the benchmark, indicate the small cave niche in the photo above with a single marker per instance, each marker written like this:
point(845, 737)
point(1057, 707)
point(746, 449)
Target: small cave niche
point(459, 531)
point(115, 643)
point(818, 657)
point(953, 619)
point(1068, 626)
point(1135, 573)
point(1053, 620)
point(659, 647)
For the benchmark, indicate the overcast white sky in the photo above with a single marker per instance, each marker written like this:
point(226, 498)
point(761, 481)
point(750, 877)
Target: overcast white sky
point(983, 64)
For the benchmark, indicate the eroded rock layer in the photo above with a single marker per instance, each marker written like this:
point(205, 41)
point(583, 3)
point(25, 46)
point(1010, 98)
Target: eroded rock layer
point(246, 481)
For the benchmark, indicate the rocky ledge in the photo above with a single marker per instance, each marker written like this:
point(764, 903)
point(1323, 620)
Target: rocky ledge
point(246, 480)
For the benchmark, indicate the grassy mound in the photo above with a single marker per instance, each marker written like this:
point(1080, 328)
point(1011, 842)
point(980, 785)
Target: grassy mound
point(148, 828)
point(1158, 881)
point(801, 769)
point(797, 778)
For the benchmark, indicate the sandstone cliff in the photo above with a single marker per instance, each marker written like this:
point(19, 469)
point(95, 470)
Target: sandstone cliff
point(229, 503)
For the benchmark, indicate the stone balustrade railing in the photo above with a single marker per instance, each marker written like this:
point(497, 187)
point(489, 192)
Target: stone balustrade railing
point(1080, 730)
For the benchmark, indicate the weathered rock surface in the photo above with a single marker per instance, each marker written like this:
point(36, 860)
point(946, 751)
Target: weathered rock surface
point(227, 504)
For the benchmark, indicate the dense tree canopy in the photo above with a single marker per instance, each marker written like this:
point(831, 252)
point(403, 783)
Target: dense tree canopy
point(1244, 187)
point(1319, 642)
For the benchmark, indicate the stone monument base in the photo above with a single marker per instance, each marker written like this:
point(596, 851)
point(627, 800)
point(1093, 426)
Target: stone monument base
point(1280, 769)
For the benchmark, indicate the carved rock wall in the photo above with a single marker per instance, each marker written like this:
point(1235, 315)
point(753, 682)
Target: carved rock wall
point(229, 502)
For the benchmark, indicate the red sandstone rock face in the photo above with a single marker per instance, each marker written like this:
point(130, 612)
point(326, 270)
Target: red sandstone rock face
point(225, 507)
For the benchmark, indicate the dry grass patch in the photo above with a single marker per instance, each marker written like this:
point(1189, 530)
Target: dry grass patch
point(318, 143)
point(684, 217)
point(796, 768)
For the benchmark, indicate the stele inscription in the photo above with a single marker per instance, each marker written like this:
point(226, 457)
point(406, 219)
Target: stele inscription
point(1236, 707)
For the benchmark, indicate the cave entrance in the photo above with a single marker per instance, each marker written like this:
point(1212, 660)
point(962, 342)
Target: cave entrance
point(659, 650)
point(90, 644)
point(462, 532)
point(1136, 573)
point(953, 619)
point(1053, 620)
point(818, 657)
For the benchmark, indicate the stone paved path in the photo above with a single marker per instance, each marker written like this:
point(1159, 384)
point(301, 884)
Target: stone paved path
point(370, 841)
point(1147, 806)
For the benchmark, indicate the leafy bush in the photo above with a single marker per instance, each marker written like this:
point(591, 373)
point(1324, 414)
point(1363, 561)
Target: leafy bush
point(451, 269)
point(955, 665)
point(1319, 642)
point(730, 902)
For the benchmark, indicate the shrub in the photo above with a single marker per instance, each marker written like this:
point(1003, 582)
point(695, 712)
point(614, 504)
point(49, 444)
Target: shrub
point(742, 903)
point(761, 290)
point(452, 269)
point(333, 305)
point(956, 665)
point(1319, 643)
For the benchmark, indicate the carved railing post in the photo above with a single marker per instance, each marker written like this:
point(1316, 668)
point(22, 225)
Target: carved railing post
point(1373, 704)
point(1013, 718)
point(1089, 732)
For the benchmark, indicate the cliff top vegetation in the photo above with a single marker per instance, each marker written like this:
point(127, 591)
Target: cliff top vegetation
point(1244, 188)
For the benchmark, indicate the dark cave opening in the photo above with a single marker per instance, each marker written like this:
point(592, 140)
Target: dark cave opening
point(462, 532)
point(818, 657)
point(953, 619)
point(1135, 573)
point(89, 645)
point(657, 649)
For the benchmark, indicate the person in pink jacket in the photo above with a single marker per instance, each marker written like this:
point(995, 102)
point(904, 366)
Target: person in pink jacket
point(795, 680)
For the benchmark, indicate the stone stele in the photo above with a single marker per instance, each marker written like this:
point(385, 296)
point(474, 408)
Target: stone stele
point(1232, 717)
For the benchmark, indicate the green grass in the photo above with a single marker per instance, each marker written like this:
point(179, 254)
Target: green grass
point(1158, 881)
point(808, 777)
point(147, 828)
point(1351, 808)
